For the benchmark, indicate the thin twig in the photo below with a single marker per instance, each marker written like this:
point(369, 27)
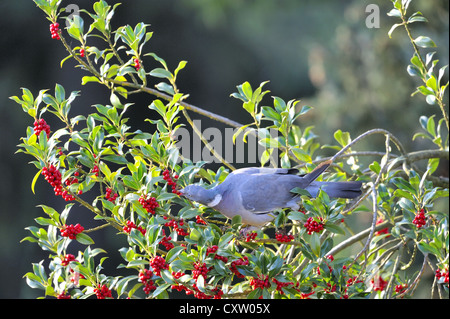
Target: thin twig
point(205, 142)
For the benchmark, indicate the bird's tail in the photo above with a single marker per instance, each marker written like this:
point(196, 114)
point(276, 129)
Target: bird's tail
point(336, 189)
point(310, 177)
point(333, 189)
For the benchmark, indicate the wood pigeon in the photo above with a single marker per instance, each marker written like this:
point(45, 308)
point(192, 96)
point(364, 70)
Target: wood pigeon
point(255, 192)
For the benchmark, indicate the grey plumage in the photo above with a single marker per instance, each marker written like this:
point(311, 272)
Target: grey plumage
point(255, 192)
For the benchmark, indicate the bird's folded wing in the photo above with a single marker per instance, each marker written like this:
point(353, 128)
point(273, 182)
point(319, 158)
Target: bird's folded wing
point(267, 192)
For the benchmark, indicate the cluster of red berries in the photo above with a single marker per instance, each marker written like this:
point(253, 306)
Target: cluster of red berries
point(111, 195)
point(72, 179)
point(240, 262)
point(180, 287)
point(54, 178)
point(200, 269)
point(312, 225)
point(67, 196)
point(137, 64)
point(165, 241)
point(178, 274)
point(330, 288)
point(199, 220)
point(102, 292)
point(283, 238)
point(331, 258)
point(177, 226)
point(420, 220)
point(69, 181)
point(75, 278)
point(130, 225)
point(67, 259)
point(54, 29)
point(149, 204)
point(171, 182)
point(82, 52)
point(145, 277)
point(260, 282)
point(250, 236)
point(71, 231)
point(212, 250)
point(197, 293)
point(442, 274)
point(352, 281)
point(379, 284)
point(305, 295)
point(382, 231)
point(400, 288)
point(281, 285)
point(158, 263)
point(40, 125)
point(95, 170)
point(63, 295)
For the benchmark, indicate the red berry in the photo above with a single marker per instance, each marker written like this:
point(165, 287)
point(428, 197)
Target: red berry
point(171, 182)
point(39, 126)
point(240, 262)
point(63, 295)
point(420, 220)
point(200, 269)
point(199, 220)
point(110, 195)
point(149, 204)
point(379, 284)
point(145, 277)
point(250, 236)
point(130, 225)
point(283, 238)
point(53, 177)
point(382, 231)
point(176, 226)
point(54, 29)
point(165, 241)
point(95, 169)
point(280, 285)
point(137, 64)
point(67, 259)
point(71, 231)
point(312, 225)
point(400, 288)
point(102, 292)
point(260, 282)
point(158, 263)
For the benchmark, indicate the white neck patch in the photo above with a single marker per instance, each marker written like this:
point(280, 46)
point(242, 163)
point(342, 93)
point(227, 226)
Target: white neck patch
point(215, 201)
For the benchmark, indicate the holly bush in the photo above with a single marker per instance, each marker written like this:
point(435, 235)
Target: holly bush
point(170, 244)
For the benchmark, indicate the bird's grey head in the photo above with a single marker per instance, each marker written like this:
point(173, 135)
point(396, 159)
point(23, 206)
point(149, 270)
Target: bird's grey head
point(201, 195)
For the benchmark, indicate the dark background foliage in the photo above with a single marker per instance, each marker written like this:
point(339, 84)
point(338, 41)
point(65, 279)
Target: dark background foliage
point(318, 51)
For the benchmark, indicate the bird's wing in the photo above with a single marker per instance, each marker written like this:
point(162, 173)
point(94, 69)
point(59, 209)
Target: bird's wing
point(264, 170)
point(266, 192)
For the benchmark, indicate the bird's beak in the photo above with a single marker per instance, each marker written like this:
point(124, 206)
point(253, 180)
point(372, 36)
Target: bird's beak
point(181, 192)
